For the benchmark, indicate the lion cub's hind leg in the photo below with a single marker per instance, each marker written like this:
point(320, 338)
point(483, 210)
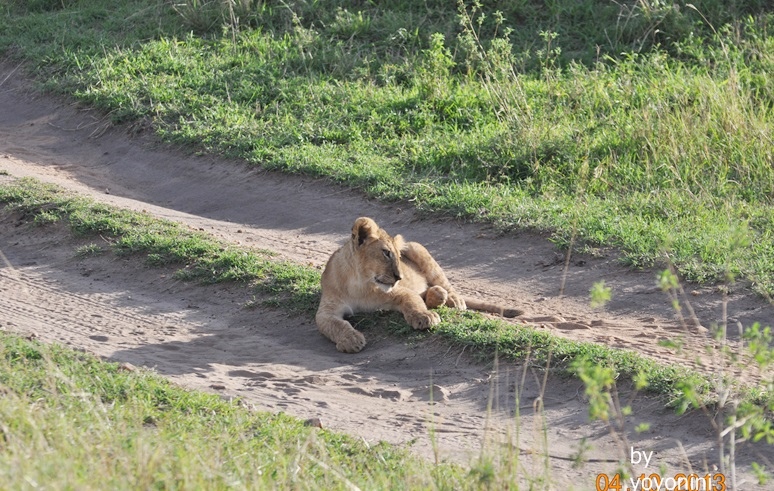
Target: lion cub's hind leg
point(435, 297)
point(436, 278)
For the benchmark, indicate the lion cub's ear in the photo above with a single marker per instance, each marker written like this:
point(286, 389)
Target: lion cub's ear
point(399, 243)
point(363, 229)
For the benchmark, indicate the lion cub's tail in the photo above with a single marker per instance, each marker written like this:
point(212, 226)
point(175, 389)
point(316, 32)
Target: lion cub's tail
point(492, 308)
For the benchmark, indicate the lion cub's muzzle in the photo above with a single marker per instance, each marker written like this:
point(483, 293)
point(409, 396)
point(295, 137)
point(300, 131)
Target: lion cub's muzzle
point(387, 281)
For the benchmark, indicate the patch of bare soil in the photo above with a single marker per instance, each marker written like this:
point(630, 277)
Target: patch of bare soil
point(204, 337)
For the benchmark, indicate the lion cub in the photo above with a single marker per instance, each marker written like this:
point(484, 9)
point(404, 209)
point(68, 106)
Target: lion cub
point(375, 271)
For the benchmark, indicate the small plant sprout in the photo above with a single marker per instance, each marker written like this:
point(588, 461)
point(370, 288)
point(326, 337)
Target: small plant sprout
point(89, 250)
point(600, 294)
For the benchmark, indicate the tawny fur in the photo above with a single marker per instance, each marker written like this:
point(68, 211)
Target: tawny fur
point(375, 271)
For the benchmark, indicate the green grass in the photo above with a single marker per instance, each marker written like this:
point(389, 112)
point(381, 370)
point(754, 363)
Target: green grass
point(296, 288)
point(644, 126)
point(71, 421)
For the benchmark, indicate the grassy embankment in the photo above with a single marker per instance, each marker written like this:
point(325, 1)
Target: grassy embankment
point(646, 126)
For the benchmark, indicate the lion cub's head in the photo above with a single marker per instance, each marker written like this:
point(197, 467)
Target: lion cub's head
point(377, 253)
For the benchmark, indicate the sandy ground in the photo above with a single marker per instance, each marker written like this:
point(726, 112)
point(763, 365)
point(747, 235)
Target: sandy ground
point(204, 337)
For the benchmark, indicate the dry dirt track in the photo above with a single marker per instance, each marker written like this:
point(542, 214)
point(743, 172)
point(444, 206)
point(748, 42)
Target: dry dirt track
point(204, 338)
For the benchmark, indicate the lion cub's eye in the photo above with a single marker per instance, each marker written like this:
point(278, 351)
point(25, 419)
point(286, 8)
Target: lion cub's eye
point(387, 253)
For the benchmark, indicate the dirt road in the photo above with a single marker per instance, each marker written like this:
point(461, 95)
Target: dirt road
point(205, 338)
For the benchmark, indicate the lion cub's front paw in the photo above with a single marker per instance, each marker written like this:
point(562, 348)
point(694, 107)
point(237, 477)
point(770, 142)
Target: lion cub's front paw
point(423, 320)
point(351, 342)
